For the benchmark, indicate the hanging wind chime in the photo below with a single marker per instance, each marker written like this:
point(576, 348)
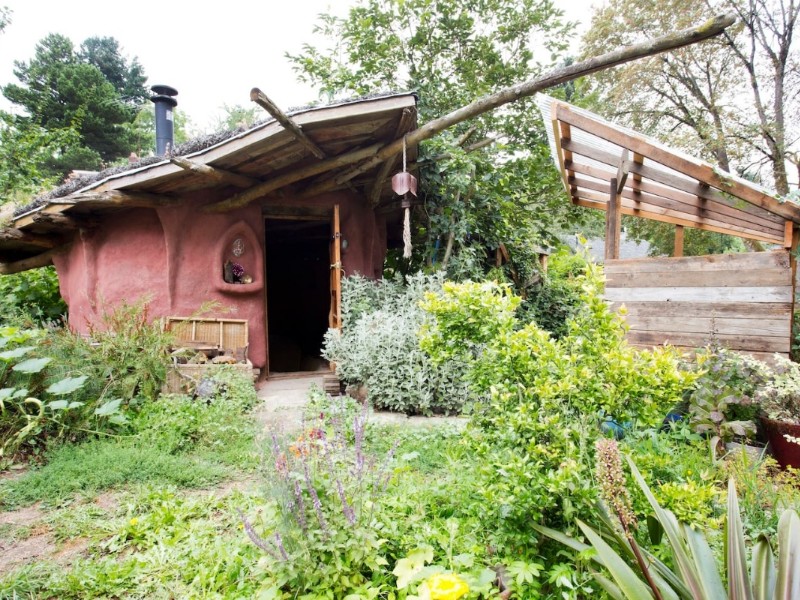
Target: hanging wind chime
point(403, 184)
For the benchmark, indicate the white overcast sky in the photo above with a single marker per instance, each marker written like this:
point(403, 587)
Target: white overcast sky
point(213, 53)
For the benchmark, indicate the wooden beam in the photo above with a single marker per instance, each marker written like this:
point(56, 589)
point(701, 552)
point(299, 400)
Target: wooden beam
point(406, 120)
point(740, 222)
point(213, 173)
point(120, 198)
point(711, 209)
point(788, 234)
point(312, 213)
point(11, 234)
point(613, 222)
point(622, 170)
point(257, 96)
point(707, 30)
point(62, 221)
point(656, 213)
point(34, 262)
point(793, 250)
point(700, 194)
point(678, 246)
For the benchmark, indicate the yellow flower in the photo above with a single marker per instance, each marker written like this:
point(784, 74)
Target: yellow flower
point(134, 521)
point(447, 586)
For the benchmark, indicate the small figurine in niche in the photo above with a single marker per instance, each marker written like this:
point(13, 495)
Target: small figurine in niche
point(247, 279)
point(227, 272)
point(238, 272)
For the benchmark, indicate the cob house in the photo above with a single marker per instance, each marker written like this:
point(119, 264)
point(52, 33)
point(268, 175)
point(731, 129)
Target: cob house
point(266, 221)
point(254, 221)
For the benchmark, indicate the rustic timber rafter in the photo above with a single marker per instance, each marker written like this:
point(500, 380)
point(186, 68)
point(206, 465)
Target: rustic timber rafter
point(26, 237)
point(260, 98)
point(707, 30)
point(40, 260)
point(215, 174)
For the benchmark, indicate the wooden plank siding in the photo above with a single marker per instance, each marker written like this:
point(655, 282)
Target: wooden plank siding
point(743, 301)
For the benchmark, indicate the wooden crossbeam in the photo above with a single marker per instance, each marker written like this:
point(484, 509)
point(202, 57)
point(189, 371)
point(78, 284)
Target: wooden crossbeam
point(62, 221)
point(260, 98)
point(40, 260)
point(214, 173)
point(120, 198)
point(671, 186)
point(11, 234)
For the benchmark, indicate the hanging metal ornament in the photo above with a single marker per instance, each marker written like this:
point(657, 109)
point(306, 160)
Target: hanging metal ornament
point(403, 184)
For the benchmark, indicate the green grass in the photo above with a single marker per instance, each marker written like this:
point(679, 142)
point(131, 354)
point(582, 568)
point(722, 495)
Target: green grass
point(99, 465)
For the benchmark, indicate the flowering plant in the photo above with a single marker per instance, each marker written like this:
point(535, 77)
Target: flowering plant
point(446, 586)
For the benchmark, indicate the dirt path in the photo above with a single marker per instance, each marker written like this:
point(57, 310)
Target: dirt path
point(284, 399)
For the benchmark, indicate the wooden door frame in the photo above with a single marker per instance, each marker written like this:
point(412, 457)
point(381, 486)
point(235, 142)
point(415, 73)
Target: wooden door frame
point(320, 214)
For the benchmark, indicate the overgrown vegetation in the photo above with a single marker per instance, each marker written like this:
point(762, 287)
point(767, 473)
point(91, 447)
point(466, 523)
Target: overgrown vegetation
point(32, 295)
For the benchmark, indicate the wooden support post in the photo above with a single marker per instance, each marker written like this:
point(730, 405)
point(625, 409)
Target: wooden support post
point(793, 250)
point(260, 98)
point(788, 233)
point(678, 249)
point(613, 222)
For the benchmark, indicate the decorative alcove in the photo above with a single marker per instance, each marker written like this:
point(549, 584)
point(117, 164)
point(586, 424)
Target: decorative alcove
point(238, 261)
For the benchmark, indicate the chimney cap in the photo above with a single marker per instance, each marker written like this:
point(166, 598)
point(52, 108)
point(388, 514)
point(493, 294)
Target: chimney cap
point(165, 99)
point(164, 89)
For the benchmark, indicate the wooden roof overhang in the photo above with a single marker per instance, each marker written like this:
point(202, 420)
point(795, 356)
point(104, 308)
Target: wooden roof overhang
point(270, 160)
point(657, 182)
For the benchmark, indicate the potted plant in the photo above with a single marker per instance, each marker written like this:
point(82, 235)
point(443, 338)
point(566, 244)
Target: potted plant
point(779, 402)
point(720, 406)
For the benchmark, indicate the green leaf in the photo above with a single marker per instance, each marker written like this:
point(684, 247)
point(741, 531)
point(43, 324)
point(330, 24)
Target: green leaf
point(787, 586)
point(109, 408)
point(706, 565)
point(625, 577)
point(15, 353)
point(58, 405)
point(32, 365)
point(67, 385)
point(763, 570)
point(407, 568)
point(736, 553)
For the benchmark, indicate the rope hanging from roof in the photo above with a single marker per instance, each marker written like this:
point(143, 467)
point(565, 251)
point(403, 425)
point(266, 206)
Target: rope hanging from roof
point(404, 183)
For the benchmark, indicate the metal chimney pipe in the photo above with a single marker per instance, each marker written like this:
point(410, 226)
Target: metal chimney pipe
point(164, 101)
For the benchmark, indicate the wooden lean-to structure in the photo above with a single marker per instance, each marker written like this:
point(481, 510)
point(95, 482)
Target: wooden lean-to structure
point(742, 301)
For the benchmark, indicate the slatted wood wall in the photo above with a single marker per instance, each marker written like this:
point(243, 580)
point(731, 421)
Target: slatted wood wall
point(743, 300)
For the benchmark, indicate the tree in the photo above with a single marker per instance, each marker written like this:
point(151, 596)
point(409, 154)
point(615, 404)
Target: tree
point(5, 17)
point(127, 78)
point(727, 100)
point(60, 90)
point(450, 53)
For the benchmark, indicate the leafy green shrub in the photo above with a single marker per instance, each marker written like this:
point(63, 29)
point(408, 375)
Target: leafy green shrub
point(779, 399)
point(721, 404)
point(55, 384)
point(379, 347)
point(32, 295)
point(557, 295)
point(544, 400)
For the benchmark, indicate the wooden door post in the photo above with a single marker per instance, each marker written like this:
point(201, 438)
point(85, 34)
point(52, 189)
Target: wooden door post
point(613, 221)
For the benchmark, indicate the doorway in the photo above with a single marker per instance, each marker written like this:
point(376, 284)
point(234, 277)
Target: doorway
point(298, 293)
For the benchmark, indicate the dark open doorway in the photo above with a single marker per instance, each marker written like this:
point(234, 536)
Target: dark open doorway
point(298, 293)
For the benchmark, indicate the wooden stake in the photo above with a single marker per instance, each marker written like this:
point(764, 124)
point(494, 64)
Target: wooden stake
point(678, 248)
point(707, 30)
point(257, 96)
point(613, 222)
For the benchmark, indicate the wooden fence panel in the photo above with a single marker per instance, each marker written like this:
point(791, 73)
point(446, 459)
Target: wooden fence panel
point(743, 301)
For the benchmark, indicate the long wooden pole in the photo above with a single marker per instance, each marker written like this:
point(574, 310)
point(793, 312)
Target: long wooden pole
point(709, 29)
point(260, 98)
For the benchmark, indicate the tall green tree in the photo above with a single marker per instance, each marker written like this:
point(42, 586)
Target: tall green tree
point(452, 52)
point(127, 77)
point(59, 89)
